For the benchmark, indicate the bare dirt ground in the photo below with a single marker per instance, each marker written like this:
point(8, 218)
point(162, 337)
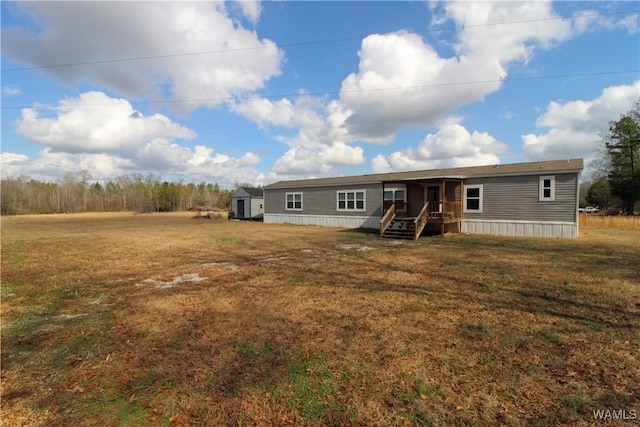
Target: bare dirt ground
point(159, 319)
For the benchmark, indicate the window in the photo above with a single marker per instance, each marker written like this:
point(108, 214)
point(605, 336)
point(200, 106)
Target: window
point(294, 202)
point(351, 200)
point(547, 188)
point(396, 195)
point(472, 198)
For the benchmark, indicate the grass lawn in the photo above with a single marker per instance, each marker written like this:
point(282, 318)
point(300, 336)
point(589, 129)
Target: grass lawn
point(160, 319)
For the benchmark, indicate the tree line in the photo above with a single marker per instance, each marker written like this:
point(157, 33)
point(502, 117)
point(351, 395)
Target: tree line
point(78, 192)
point(616, 180)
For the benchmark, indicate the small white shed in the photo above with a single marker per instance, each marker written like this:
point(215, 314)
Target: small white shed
point(247, 203)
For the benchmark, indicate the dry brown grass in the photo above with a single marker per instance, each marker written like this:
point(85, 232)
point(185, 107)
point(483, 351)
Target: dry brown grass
point(624, 222)
point(163, 320)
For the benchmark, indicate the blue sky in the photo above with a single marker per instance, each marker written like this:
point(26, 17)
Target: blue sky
point(256, 92)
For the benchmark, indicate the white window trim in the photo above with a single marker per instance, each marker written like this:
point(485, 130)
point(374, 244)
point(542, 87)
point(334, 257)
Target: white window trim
point(464, 198)
point(364, 201)
point(552, 187)
point(286, 197)
point(394, 189)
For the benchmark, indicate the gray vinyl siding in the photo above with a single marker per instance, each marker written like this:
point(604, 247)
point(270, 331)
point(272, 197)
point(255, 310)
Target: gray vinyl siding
point(323, 200)
point(516, 198)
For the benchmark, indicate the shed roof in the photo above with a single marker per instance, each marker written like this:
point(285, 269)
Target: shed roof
point(550, 166)
point(248, 191)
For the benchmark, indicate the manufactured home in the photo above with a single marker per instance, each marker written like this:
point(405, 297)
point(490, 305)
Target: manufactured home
point(535, 199)
point(247, 203)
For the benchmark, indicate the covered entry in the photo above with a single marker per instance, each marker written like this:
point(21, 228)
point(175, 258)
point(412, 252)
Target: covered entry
point(411, 206)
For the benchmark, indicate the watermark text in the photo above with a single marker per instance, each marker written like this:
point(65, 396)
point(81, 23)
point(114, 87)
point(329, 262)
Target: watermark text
point(615, 414)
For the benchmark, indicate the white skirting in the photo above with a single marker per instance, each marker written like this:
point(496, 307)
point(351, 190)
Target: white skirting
point(565, 230)
point(324, 220)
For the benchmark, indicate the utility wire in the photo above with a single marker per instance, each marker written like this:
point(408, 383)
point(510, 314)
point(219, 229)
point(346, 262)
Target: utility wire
point(304, 43)
point(334, 92)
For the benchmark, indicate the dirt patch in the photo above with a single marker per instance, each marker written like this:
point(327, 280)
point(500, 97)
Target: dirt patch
point(273, 258)
point(159, 284)
point(226, 265)
point(355, 246)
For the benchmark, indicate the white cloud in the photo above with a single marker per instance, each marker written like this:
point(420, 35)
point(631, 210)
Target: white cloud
point(451, 146)
point(251, 9)
point(319, 161)
point(173, 34)
point(204, 164)
point(200, 163)
point(591, 20)
point(527, 25)
point(10, 91)
point(195, 165)
point(50, 165)
point(630, 23)
point(12, 164)
point(304, 111)
point(317, 147)
point(266, 112)
point(95, 123)
point(108, 138)
point(509, 115)
point(573, 129)
point(161, 154)
point(402, 80)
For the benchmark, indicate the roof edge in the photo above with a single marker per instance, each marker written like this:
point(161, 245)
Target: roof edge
point(507, 169)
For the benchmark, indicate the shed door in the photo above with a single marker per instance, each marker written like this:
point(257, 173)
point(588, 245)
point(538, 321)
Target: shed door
point(240, 208)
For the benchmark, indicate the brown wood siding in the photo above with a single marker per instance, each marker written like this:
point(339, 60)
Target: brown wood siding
point(415, 198)
point(516, 198)
point(323, 200)
point(452, 192)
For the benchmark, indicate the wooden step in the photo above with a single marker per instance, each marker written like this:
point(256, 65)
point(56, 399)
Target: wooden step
point(401, 228)
point(398, 236)
point(388, 231)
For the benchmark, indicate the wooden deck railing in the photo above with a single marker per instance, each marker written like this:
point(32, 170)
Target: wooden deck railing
point(452, 209)
point(421, 220)
point(387, 218)
point(445, 210)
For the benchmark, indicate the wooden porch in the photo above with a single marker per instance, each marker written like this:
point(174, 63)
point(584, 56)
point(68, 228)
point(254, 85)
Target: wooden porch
point(439, 202)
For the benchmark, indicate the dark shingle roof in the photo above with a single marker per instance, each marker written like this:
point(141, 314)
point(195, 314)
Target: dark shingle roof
point(550, 166)
point(251, 191)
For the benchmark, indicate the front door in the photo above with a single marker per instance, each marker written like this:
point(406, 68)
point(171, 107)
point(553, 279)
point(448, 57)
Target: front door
point(433, 195)
point(241, 208)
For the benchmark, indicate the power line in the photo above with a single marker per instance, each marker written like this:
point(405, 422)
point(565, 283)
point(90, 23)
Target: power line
point(336, 92)
point(303, 43)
